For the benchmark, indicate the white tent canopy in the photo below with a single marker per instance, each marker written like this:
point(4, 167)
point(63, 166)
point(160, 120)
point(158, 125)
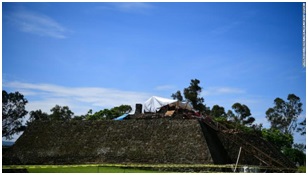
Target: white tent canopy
point(154, 103)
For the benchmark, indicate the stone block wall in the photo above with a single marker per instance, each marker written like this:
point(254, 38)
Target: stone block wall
point(128, 141)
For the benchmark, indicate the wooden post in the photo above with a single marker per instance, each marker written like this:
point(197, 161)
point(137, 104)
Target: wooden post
point(238, 157)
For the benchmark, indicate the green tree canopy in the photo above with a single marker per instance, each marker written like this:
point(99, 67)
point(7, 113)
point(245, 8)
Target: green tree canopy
point(300, 146)
point(283, 115)
point(61, 113)
point(58, 113)
point(295, 155)
point(110, 114)
point(100, 115)
point(177, 96)
point(83, 117)
point(192, 95)
point(13, 112)
point(218, 111)
point(38, 115)
point(242, 114)
point(302, 127)
point(122, 109)
point(279, 139)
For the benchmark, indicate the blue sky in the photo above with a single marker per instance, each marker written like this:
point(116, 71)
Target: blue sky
point(101, 55)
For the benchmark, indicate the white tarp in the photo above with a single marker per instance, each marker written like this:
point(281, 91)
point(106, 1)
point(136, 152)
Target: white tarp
point(154, 103)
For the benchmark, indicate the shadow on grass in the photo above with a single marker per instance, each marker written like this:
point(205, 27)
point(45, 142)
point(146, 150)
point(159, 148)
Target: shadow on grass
point(91, 170)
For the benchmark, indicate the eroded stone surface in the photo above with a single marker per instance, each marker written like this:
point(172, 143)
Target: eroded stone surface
point(129, 141)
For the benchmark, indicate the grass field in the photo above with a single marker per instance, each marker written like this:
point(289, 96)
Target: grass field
point(302, 169)
point(90, 170)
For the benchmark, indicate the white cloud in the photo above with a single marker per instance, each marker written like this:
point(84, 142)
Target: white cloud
point(214, 91)
point(79, 99)
point(38, 24)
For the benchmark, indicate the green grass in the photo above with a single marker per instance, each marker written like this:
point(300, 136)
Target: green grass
point(301, 169)
point(90, 170)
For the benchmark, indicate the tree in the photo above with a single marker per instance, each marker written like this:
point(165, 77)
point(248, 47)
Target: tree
point(283, 115)
point(82, 117)
point(13, 112)
point(300, 146)
point(230, 115)
point(61, 113)
point(100, 115)
point(284, 142)
point(295, 155)
point(192, 94)
point(177, 96)
point(79, 117)
point(122, 109)
point(58, 113)
point(218, 111)
point(38, 115)
point(110, 113)
point(242, 116)
point(302, 128)
point(279, 139)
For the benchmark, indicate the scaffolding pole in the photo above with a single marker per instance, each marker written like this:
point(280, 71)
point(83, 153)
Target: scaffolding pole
point(238, 158)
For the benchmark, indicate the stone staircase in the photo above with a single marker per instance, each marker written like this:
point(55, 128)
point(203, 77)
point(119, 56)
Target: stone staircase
point(262, 150)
